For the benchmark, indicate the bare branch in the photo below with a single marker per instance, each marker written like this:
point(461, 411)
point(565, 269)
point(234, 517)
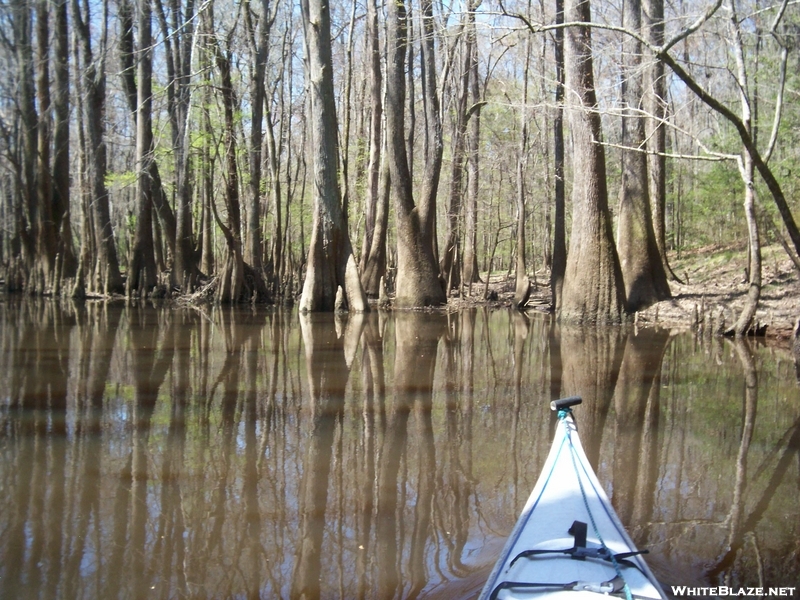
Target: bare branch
point(692, 28)
point(779, 16)
point(773, 138)
point(712, 156)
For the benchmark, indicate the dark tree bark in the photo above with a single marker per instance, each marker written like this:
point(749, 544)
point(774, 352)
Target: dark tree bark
point(206, 241)
point(104, 275)
point(142, 276)
point(331, 263)
point(642, 266)
point(127, 55)
point(230, 279)
point(45, 219)
point(61, 144)
point(26, 219)
point(417, 268)
point(258, 39)
point(179, 40)
point(593, 287)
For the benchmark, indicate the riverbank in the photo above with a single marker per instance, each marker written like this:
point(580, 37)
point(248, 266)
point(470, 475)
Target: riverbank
point(709, 296)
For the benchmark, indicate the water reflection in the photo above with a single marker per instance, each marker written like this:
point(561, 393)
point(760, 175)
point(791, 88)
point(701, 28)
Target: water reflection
point(235, 452)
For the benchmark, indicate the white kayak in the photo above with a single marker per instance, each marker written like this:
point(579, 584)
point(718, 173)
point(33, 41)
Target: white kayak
point(568, 542)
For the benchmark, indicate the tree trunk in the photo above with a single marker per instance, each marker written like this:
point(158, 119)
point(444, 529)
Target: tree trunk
point(179, 44)
point(331, 263)
point(417, 268)
point(745, 321)
point(593, 288)
point(642, 266)
point(655, 105)
point(128, 74)
point(105, 275)
point(230, 279)
point(374, 267)
point(450, 261)
point(559, 265)
point(259, 49)
point(45, 227)
point(26, 105)
point(277, 258)
point(61, 144)
point(433, 120)
point(142, 267)
point(207, 183)
point(470, 261)
point(522, 288)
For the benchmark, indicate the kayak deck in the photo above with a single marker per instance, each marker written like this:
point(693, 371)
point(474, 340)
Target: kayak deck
point(568, 541)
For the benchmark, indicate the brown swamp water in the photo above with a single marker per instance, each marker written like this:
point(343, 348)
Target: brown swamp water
point(232, 453)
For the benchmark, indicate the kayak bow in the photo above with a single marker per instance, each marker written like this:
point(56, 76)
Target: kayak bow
point(568, 539)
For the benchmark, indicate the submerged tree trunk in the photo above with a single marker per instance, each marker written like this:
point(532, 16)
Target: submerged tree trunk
point(642, 266)
point(331, 263)
point(593, 288)
point(417, 268)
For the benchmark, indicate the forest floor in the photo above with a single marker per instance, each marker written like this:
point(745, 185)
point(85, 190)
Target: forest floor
point(710, 293)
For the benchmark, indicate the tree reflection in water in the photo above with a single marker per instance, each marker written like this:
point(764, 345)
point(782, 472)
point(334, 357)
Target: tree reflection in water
point(211, 453)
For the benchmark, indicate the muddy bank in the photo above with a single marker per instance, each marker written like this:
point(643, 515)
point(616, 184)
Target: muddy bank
point(708, 298)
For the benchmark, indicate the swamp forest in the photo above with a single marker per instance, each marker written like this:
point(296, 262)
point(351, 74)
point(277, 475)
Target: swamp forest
point(288, 286)
point(293, 152)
